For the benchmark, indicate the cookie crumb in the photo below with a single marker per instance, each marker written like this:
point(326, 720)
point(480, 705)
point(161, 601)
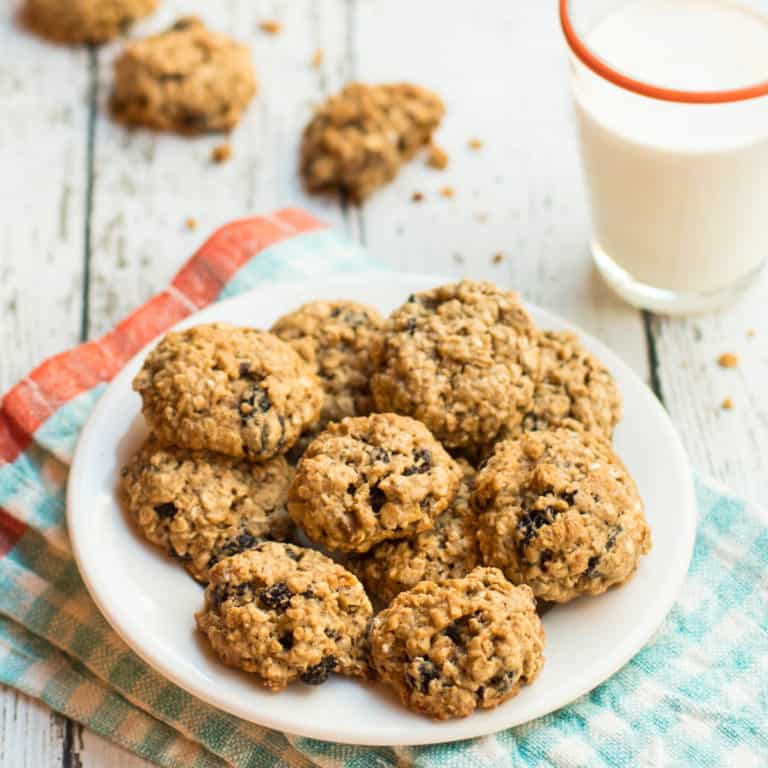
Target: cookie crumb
point(447, 191)
point(751, 333)
point(271, 27)
point(475, 143)
point(417, 197)
point(727, 404)
point(458, 258)
point(728, 360)
point(498, 257)
point(191, 223)
point(221, 153)
point(317, 58)
point(481, 217)
point(437, 158)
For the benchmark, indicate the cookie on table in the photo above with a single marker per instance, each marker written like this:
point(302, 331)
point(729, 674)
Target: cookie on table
point(334, 338)
point(186, 79)
point(448, 550)
point(559, 511)
point(84, 21)
point(460, 359)
point(358, 139)
point(237, 391)
point(370, 478)
point(202, 507)
point(286, 613)
point(450, 647)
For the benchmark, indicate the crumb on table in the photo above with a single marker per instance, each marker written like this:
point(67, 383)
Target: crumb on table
point(221, 153)
point(317, 58)
point(191, 223)
point(481, 216)
point(727, 404)
point(270, 26)
point(417, 197)
point(751, 333)
point(728, 360)
point(498, 257)
point(447, 191)
point(437, 158)
point(475, 143)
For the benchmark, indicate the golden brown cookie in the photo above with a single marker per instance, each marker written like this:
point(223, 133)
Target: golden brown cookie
point(186, 79)
point(450, 647)
point(202, 506)
point(84, 21)
point(334, 338)
point(237, 391)
point(558, 511)
point(446, 551)
point(371, 478)
point(458, 358)
point(359, 138)
point(286, 613)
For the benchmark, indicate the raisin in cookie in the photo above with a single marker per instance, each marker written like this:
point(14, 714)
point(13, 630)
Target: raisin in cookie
point(359, 138)
point(371, 478)
point(455, 645)
point(286, 613)
point(334, 338)
point(449, 550)
point(186, 79)
point(201, 506)
point(558, 511)
point(459, 358)
point(238, 391)
point(84, 21)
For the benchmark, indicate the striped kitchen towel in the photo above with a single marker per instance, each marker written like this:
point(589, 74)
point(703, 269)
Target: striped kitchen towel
point(697, 695)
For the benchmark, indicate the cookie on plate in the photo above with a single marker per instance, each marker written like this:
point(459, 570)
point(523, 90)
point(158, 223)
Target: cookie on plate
point(559, 511)
point(334, 338)
point(359, 138)
point(237, 391)
point(370, 478)
point(458, 358)
point(202, 506)
point(448, 550)
point(186, 79)
point(452, 646)
point(84, 21)
point(286, 613)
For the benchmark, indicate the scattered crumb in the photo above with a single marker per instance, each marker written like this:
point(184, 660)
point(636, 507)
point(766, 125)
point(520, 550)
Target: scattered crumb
point(458, 258)
point(728, 360)
point(751, 333)
point(271, 27)
point(221, 153)
point(191, 223)
point(727, 404)
point(417, 197)
point(498, 258)
point(475, 143)
point(317, 58)
point(482, 216)
point(437, 158)
point(447, 191)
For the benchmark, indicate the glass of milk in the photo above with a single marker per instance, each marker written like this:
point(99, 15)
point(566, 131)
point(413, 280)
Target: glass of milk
point(671, 101)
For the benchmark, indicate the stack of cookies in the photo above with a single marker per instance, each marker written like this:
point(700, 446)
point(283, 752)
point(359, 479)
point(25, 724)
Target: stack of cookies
point(447, 466)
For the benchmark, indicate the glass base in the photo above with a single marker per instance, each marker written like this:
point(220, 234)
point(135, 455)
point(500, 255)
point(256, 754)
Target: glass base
point(664, 301)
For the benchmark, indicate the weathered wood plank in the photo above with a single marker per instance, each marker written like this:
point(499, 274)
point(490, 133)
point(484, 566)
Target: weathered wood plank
point(31, 736)
point(503, 76)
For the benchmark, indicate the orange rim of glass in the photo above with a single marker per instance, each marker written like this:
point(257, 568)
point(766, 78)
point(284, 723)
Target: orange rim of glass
point(600, 67)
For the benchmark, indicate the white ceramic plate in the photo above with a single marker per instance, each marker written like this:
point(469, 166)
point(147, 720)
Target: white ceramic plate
point(151, 601)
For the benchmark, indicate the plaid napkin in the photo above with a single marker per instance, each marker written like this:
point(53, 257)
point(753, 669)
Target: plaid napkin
point(696, 695)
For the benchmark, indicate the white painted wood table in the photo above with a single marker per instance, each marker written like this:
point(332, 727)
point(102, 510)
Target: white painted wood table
point(93, 217)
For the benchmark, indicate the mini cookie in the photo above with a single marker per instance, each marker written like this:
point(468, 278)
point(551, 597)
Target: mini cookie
point(359, 138)
point(237, 391)
point(334, 338)
point(455, 645)
point(371, 478)
point(186, 79)
point(449, 550)
point(459, 358)
point(559, 512)
point(201, 506)
point(84, 21)
point(286, 613)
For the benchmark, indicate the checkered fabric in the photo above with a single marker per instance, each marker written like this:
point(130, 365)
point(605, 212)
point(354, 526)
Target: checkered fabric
point(696, 695)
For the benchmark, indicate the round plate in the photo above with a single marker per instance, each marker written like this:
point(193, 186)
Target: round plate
point(151, 601)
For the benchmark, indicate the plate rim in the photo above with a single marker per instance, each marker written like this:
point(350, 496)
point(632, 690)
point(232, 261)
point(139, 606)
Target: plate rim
point(634, 641)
